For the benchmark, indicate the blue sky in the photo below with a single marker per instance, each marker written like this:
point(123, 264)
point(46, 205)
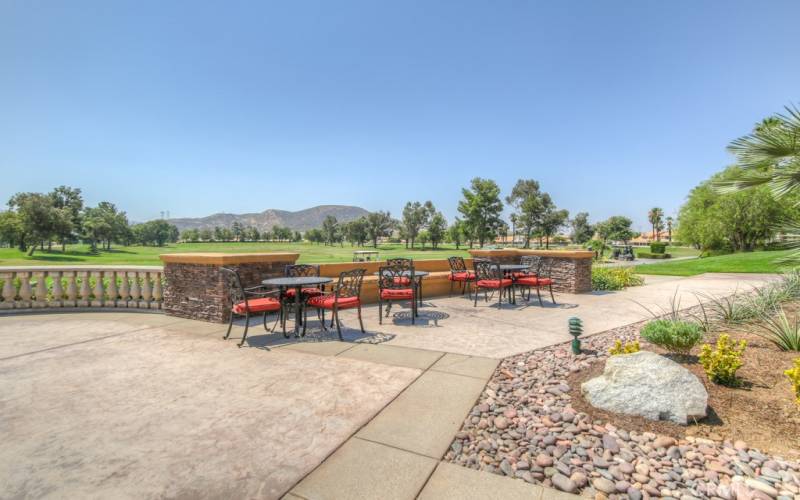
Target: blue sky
point(198, 107)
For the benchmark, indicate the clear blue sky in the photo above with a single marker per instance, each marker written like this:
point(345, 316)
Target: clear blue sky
point(198, 107)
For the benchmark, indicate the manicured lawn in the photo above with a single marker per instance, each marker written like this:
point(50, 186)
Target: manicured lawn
point(747, 262)
point(138, 255)
point(674, 251)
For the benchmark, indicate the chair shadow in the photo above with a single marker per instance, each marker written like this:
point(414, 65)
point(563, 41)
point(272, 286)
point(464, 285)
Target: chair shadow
point(260, 339)
point(425, 319)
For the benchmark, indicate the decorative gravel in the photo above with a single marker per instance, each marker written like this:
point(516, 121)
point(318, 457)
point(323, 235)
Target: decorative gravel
point(525, 427)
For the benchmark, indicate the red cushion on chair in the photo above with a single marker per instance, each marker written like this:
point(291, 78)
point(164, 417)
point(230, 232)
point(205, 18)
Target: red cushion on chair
point(308, 292)
point(534, 281)
point(257, 305)
point(494, 283)
point(397, 294)
point(402, 280)
point(522, 275)
point(327, 302)
point(462, 276)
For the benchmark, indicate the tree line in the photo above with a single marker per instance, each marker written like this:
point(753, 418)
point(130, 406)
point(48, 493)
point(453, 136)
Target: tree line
point(239, 232)
point(37, 220)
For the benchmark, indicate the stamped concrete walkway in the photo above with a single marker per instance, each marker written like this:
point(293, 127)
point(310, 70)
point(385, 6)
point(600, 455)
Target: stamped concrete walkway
point(130, 405)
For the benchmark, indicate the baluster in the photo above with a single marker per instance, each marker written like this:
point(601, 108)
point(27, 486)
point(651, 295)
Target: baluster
point(111, 290)
point(158, 293)
point(72, 289)
point(99, 292)
point(41, 289)
point(24, 290)
point(9, 290)
point(58, 291)
point(85, 291)
point(124, 289)
point(136, 292)
point(147, 293)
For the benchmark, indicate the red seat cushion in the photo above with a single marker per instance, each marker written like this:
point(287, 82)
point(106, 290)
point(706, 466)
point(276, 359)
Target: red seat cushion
point(521, 274)
point(402, 280)
point(534, 281)
point(258, 305)
point(327, 302)
point(462, 276)
point(494, 283)
point(397, 294)
point(308, 292)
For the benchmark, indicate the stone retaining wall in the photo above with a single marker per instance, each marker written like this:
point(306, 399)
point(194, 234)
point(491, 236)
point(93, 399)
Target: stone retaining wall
point(571, 272)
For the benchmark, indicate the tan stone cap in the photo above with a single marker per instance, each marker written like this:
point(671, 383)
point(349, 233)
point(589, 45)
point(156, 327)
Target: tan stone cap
point(218, 258)
point(519, 252)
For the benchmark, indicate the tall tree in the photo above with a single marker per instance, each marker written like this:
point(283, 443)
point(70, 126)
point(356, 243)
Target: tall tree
point(481, 208)
point(513, 219)
point(456, 233)
point(71, 202)
point(379, 225)
point(38, 218)
point(552, 220)
point(656, 218)
point(11, 230)
point(330, 230)
point(669, 229)
point(582, 231)
point(528, 201)
point(416, 216)
point(616, 227)
point(437, 227)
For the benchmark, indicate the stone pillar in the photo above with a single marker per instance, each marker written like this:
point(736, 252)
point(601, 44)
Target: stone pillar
point(196, 289)
point(572, 269)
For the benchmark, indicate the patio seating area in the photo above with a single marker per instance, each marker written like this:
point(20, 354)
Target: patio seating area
point(146, 404)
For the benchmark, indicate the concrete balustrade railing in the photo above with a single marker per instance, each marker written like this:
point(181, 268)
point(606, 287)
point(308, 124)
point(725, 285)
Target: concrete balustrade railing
point(65, 287)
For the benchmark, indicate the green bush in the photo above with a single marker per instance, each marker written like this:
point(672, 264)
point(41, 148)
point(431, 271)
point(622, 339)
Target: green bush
point(614, 278)
point(675, 336)
point(721, 363)
point(658, 247)
point(648, 255)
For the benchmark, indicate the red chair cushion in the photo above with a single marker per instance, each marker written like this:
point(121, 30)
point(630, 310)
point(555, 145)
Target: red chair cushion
point(397, 294)
point(257, 305)
point(327, 302)
point(308, 292)
point(534, 281)
point(402, 280)
point(494, 283)
point(462, 276)
point(522, 274)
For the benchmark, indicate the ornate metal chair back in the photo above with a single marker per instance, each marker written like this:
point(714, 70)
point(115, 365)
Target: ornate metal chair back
point(457, 264)
point(545, 269)
point(532, 261)
point(301, 270)
point(395, 277)
point(487, 270)
point(349, 284)
point(399, 261)
point(235, 289)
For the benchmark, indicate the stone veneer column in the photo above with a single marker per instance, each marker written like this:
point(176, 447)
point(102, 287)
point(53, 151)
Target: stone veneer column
point(572, 269)
point(196, 289)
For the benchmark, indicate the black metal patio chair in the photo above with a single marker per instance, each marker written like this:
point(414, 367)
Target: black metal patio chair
point(396, 283)
point(248, 301)
point(345, 295)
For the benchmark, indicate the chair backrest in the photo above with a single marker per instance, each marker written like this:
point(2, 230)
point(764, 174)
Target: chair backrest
point(349, 284)
point(457, 264)
point(532, 261)
point(395, 277)
point(545, 269)
point(301, 270)
point(487, 270)
point(400, 261)
point(235, 289)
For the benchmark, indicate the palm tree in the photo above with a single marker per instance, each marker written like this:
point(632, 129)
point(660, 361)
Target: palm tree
point(513, 219)
point(770, 155)
point(656, 218)
point(669, 229)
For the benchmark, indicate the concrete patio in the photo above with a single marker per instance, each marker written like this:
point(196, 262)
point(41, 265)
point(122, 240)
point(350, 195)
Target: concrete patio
point(131, 405)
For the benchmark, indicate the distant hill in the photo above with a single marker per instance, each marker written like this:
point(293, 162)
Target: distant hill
point(302, 220)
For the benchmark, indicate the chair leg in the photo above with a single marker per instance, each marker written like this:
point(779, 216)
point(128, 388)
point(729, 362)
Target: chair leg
point(413, 308)
point(338, 324)
point(305, 320)
point(476, 297)
point(539, 294)
point(500, 298)
point(246, 326)
point(552, 297)
point(230, 325)
point(380, 312)
point(322, 314)
point(360, 322)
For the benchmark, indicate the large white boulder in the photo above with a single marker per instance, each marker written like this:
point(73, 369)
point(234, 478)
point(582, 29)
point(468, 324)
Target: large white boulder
point(649, 385)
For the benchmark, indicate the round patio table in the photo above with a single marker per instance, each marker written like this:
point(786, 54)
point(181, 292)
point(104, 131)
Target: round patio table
point(297, 283)
point(418, 275)
point(511, 268)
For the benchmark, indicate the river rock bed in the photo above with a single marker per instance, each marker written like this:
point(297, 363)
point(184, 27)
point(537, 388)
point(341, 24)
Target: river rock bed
point(524, 426)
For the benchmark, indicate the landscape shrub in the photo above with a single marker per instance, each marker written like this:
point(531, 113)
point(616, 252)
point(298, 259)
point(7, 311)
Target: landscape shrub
point(675, 336)
point(627, 348)
point(658, 247)
point(720, 364)
point(794, 378)
point(649, 255)
point(780, 330)
point(614, 278)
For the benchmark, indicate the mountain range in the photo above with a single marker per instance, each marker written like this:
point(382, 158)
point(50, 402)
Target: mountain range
point(302, 220)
